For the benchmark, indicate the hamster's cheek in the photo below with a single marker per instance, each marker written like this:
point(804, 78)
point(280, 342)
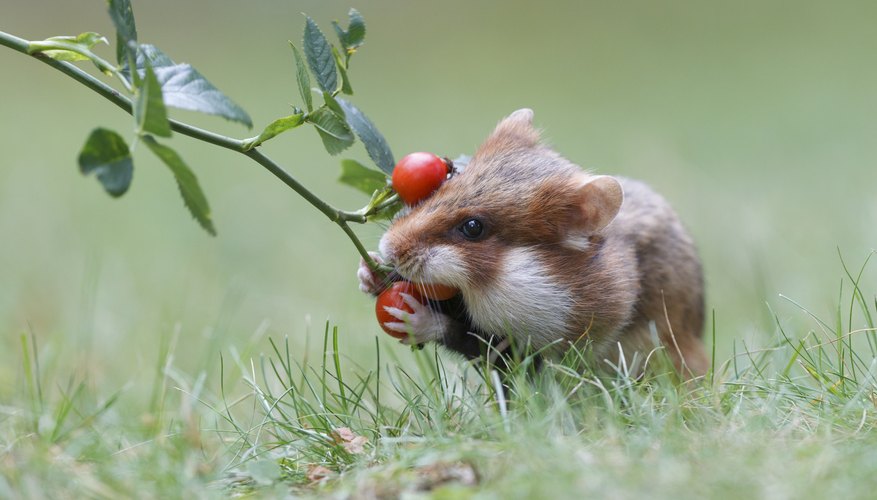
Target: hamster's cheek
point(445, 264)
point(522, 300)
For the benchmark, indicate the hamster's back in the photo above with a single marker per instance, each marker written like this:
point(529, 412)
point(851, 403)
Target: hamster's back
point(669, 274)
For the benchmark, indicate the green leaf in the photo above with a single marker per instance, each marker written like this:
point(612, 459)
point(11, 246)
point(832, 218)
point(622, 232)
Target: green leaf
point(190, 190)
point(333, 130)
point(319, 55)
point(151, 53)
point(304, 80)
point(149, 111)
point(275, 128)
point(345, 80)
point(333, 104)
point(122, 16)
point(375, 144)
point(360, 177)
point(184, 87)
point(106, 155)
point(354, 35)
point(85, 41)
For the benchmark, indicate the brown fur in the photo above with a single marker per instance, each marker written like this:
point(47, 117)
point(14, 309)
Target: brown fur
point(609, 281)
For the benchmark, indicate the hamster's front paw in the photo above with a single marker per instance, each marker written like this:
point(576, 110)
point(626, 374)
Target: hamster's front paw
point(369, 282)
point(422, 326)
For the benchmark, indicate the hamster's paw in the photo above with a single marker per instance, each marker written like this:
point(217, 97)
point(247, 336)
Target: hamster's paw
point(369, 282)
point(422, 326)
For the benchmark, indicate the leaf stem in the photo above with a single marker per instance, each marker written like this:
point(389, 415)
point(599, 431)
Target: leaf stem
point(386, 203)
point(114, 96)
point(102, 64)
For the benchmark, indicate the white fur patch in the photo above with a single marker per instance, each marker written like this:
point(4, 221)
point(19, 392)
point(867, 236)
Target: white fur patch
point(577, 242)
point(443, 264)
point(523, 302)
point(385, 249)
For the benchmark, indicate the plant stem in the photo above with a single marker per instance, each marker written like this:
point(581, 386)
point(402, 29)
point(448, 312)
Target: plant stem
point(102, 64)
point(114, 96)
point(13, 42)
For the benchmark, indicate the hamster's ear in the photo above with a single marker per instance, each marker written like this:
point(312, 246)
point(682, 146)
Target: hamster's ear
point(514, 131)
point(598, 200)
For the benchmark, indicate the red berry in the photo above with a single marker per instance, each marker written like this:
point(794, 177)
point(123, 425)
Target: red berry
point(436, 291)
point(418, 175)
point(392, 297)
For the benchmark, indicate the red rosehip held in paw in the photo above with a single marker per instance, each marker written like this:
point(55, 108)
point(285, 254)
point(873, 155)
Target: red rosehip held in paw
point(418, 175)
point(436, 291)
point(392, 297)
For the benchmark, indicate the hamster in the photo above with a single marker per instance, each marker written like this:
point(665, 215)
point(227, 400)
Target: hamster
point(547, 255)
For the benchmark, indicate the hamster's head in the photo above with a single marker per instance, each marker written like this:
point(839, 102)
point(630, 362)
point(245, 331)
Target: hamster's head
point(516, 193)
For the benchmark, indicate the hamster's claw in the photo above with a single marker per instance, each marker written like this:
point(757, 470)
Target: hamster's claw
point(422, 325)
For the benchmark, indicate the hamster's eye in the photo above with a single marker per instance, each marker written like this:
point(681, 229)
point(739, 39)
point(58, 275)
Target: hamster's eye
point(472, 229)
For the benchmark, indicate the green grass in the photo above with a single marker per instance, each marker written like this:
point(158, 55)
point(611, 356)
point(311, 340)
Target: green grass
point(791, 420)
point(794, 419)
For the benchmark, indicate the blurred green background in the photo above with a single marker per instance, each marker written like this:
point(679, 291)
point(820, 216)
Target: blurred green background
point(755, 119)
